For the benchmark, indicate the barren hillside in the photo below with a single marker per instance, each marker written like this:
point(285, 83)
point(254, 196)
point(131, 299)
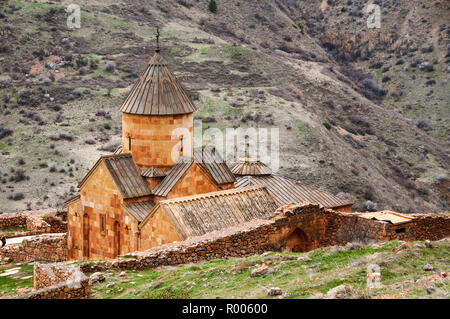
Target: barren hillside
point(290, 64)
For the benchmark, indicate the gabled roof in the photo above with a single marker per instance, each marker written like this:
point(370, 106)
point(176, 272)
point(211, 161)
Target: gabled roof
point(153, 172)
point(72, 199)
point(287, 191)
point(118, 150)
point(139, 210)
point(206, 157)
point(212, 162)
point(125, 173)
point(250, 166)
point(157, 92)
point(173, 175)
point(200, 214)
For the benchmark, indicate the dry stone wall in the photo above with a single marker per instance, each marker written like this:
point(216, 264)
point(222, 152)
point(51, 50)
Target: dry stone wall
point(430, 226)
point(13, 219)
point(47, 247)
point(35, 222)
point(58, 281)
point(322, 227)
point(57, 225)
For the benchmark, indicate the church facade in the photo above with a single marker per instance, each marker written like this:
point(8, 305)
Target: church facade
point(156, 186)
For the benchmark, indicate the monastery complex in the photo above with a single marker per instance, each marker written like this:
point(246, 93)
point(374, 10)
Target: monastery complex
point(141, 198)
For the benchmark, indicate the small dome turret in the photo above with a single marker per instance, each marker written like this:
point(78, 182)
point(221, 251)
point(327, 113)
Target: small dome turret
point(250, 166)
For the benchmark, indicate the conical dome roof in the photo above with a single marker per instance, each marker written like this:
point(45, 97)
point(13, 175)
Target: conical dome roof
point(157, 92)
point(250, 166)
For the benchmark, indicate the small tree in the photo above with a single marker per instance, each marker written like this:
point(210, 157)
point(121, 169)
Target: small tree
point(212, 6)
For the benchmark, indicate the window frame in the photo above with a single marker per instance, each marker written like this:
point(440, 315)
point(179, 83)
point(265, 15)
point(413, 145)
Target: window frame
point(103, 224)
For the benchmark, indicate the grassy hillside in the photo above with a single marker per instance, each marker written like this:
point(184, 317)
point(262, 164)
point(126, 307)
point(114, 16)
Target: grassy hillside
point(15, 278)
point(252, 64)
point(410, 273)
point(299, 275)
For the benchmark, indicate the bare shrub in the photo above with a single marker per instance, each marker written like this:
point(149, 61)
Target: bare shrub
point(185, 3)
point(110, 66)
point(19, 175)
point(370, 206)
point(5, 132)
point(16, 196)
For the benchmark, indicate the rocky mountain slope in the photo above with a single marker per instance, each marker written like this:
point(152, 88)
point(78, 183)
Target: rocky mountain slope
point(308, 67)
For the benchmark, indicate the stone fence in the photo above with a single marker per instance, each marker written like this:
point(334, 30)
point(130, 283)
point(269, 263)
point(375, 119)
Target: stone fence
point(299, 227)
point(58, 281)
point(35, 222)
point(308, 225)
point(431, 226)
point(46, 247)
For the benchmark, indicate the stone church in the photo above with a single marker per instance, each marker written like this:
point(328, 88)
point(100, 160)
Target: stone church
point(144, 195)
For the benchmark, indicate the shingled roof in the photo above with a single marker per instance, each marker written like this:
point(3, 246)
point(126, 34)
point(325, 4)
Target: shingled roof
point(287, 191)
point(118, 150)
point(157, 92)
point(172, 176)
point(212, 162)
point(139, 210)
point(250, 166)
point(200, 214)
point(126, 175)
point(207, 158)
point(153, 172)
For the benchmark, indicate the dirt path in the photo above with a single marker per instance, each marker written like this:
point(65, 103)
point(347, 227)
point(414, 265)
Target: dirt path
point(19, 240)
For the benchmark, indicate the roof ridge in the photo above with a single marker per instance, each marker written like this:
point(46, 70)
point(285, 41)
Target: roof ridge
point(287, 190)
point(115, 155)
point(153, 171)
point(213, 194)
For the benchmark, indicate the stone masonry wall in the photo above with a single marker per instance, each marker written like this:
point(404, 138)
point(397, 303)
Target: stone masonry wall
point(49, 248)
point(431, 226)
point(323, 227)
point(13, 219)
point(100, 197)
point(152, 137)
point(36, 222)
point(58, 281)
point(57, 225)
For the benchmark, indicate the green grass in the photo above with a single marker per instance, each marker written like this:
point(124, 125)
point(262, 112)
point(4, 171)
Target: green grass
point(302, 126)
point(224, 53)
point(212, 106)
point(33, 6)
point(10, 285)
point(13, 229)
point(297, 278)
